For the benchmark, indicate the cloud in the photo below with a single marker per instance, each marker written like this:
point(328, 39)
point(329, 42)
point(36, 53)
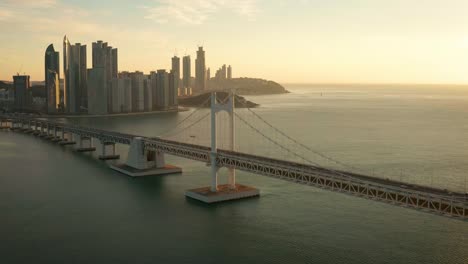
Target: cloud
point(32, 3)
point(5, 14)
point(26, 30)
point(11, 10)
point(198, 11)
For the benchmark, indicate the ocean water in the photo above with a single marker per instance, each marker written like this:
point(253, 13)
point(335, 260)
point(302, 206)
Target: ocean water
point(59, 206)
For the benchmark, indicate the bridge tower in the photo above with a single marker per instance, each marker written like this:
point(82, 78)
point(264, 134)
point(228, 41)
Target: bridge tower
point(231, 190)
point(215, 108)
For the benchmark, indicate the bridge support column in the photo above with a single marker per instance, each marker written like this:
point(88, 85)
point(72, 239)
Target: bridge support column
point(13, 125)
point(41, 130)
point(106, 156)
point(85, 144)
point(36, 129)
point(29, 127)
point(4, 124)
point(63, 138)
point(48, 134)
point(231, 190)
point(144, 162)
point(55, 138)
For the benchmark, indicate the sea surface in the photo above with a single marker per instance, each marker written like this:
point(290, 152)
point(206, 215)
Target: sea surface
point(59, 206)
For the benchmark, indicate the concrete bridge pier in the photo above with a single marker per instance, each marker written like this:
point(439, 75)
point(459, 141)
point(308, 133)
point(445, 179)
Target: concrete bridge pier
point(143, 162)
point(28, 127)
point(55, 138)
point(104, 154)
point(4, 124)
point(48, 134)
point(41, 130)
point(37, 129)
point(85, 144)
point(23, 126)
point(20, 125)
point(14, 125)
point(64, 140)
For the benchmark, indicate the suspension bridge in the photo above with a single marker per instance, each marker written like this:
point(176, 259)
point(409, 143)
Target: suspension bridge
point(208, 135)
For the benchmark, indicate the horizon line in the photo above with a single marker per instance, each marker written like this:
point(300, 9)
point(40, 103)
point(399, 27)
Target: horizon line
point(372, 83)
point(338, 83)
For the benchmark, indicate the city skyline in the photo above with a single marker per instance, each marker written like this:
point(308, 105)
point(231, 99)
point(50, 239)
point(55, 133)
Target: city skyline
point(337, 42)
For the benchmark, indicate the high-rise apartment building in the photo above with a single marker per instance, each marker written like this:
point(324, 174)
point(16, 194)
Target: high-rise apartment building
point(98, 91)
point(223, 71)
point(200, 70)
point(21, 88)
point(172, 90)
point(121, 95)
point(161, 89)
point(75, 77)
point(187, 75)
point(52, 79)
point(106, 57)
point(147, 94)
point(115, 63)
point(137, 91)
point(229, 72)
point(176, 72)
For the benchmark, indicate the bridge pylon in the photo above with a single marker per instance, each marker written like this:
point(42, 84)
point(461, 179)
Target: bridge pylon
point(231, 190)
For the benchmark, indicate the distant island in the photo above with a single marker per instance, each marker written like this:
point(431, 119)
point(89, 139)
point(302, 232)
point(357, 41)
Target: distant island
point(247, 86)
point(203, 100)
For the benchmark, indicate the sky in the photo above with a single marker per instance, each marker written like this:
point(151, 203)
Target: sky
point(288, 41)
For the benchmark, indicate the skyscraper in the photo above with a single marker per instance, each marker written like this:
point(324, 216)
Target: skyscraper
point(200, 70)
point(115, 64)
point(147, 94)
point(66, 73)
point(106, 57)
point(223, 72)
point(82, 100)
point(122, 95)
point(162, 90)
point(21, 86)
point(229, 72)
point(172, 90)
point(98, 91)
point(208, 74)
point(99, 54)
point(52, 77)
point(138, 92)
point(75, 77)
point(176, 72)
point(187, 74)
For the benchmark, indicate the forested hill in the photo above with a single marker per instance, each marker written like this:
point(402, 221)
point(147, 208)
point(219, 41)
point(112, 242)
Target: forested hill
point(203, 100)
point(247, 86)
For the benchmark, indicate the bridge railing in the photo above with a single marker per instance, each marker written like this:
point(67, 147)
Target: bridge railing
point(103, 135)
point(355, 184)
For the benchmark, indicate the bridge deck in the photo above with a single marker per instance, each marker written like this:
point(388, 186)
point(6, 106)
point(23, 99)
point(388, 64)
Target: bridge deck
point(421, 197)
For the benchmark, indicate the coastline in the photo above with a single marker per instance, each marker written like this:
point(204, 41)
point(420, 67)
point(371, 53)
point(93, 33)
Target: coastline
point(179, 109)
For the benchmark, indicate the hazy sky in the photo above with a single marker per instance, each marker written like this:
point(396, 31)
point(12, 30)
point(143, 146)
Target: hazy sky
point(396, 41)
